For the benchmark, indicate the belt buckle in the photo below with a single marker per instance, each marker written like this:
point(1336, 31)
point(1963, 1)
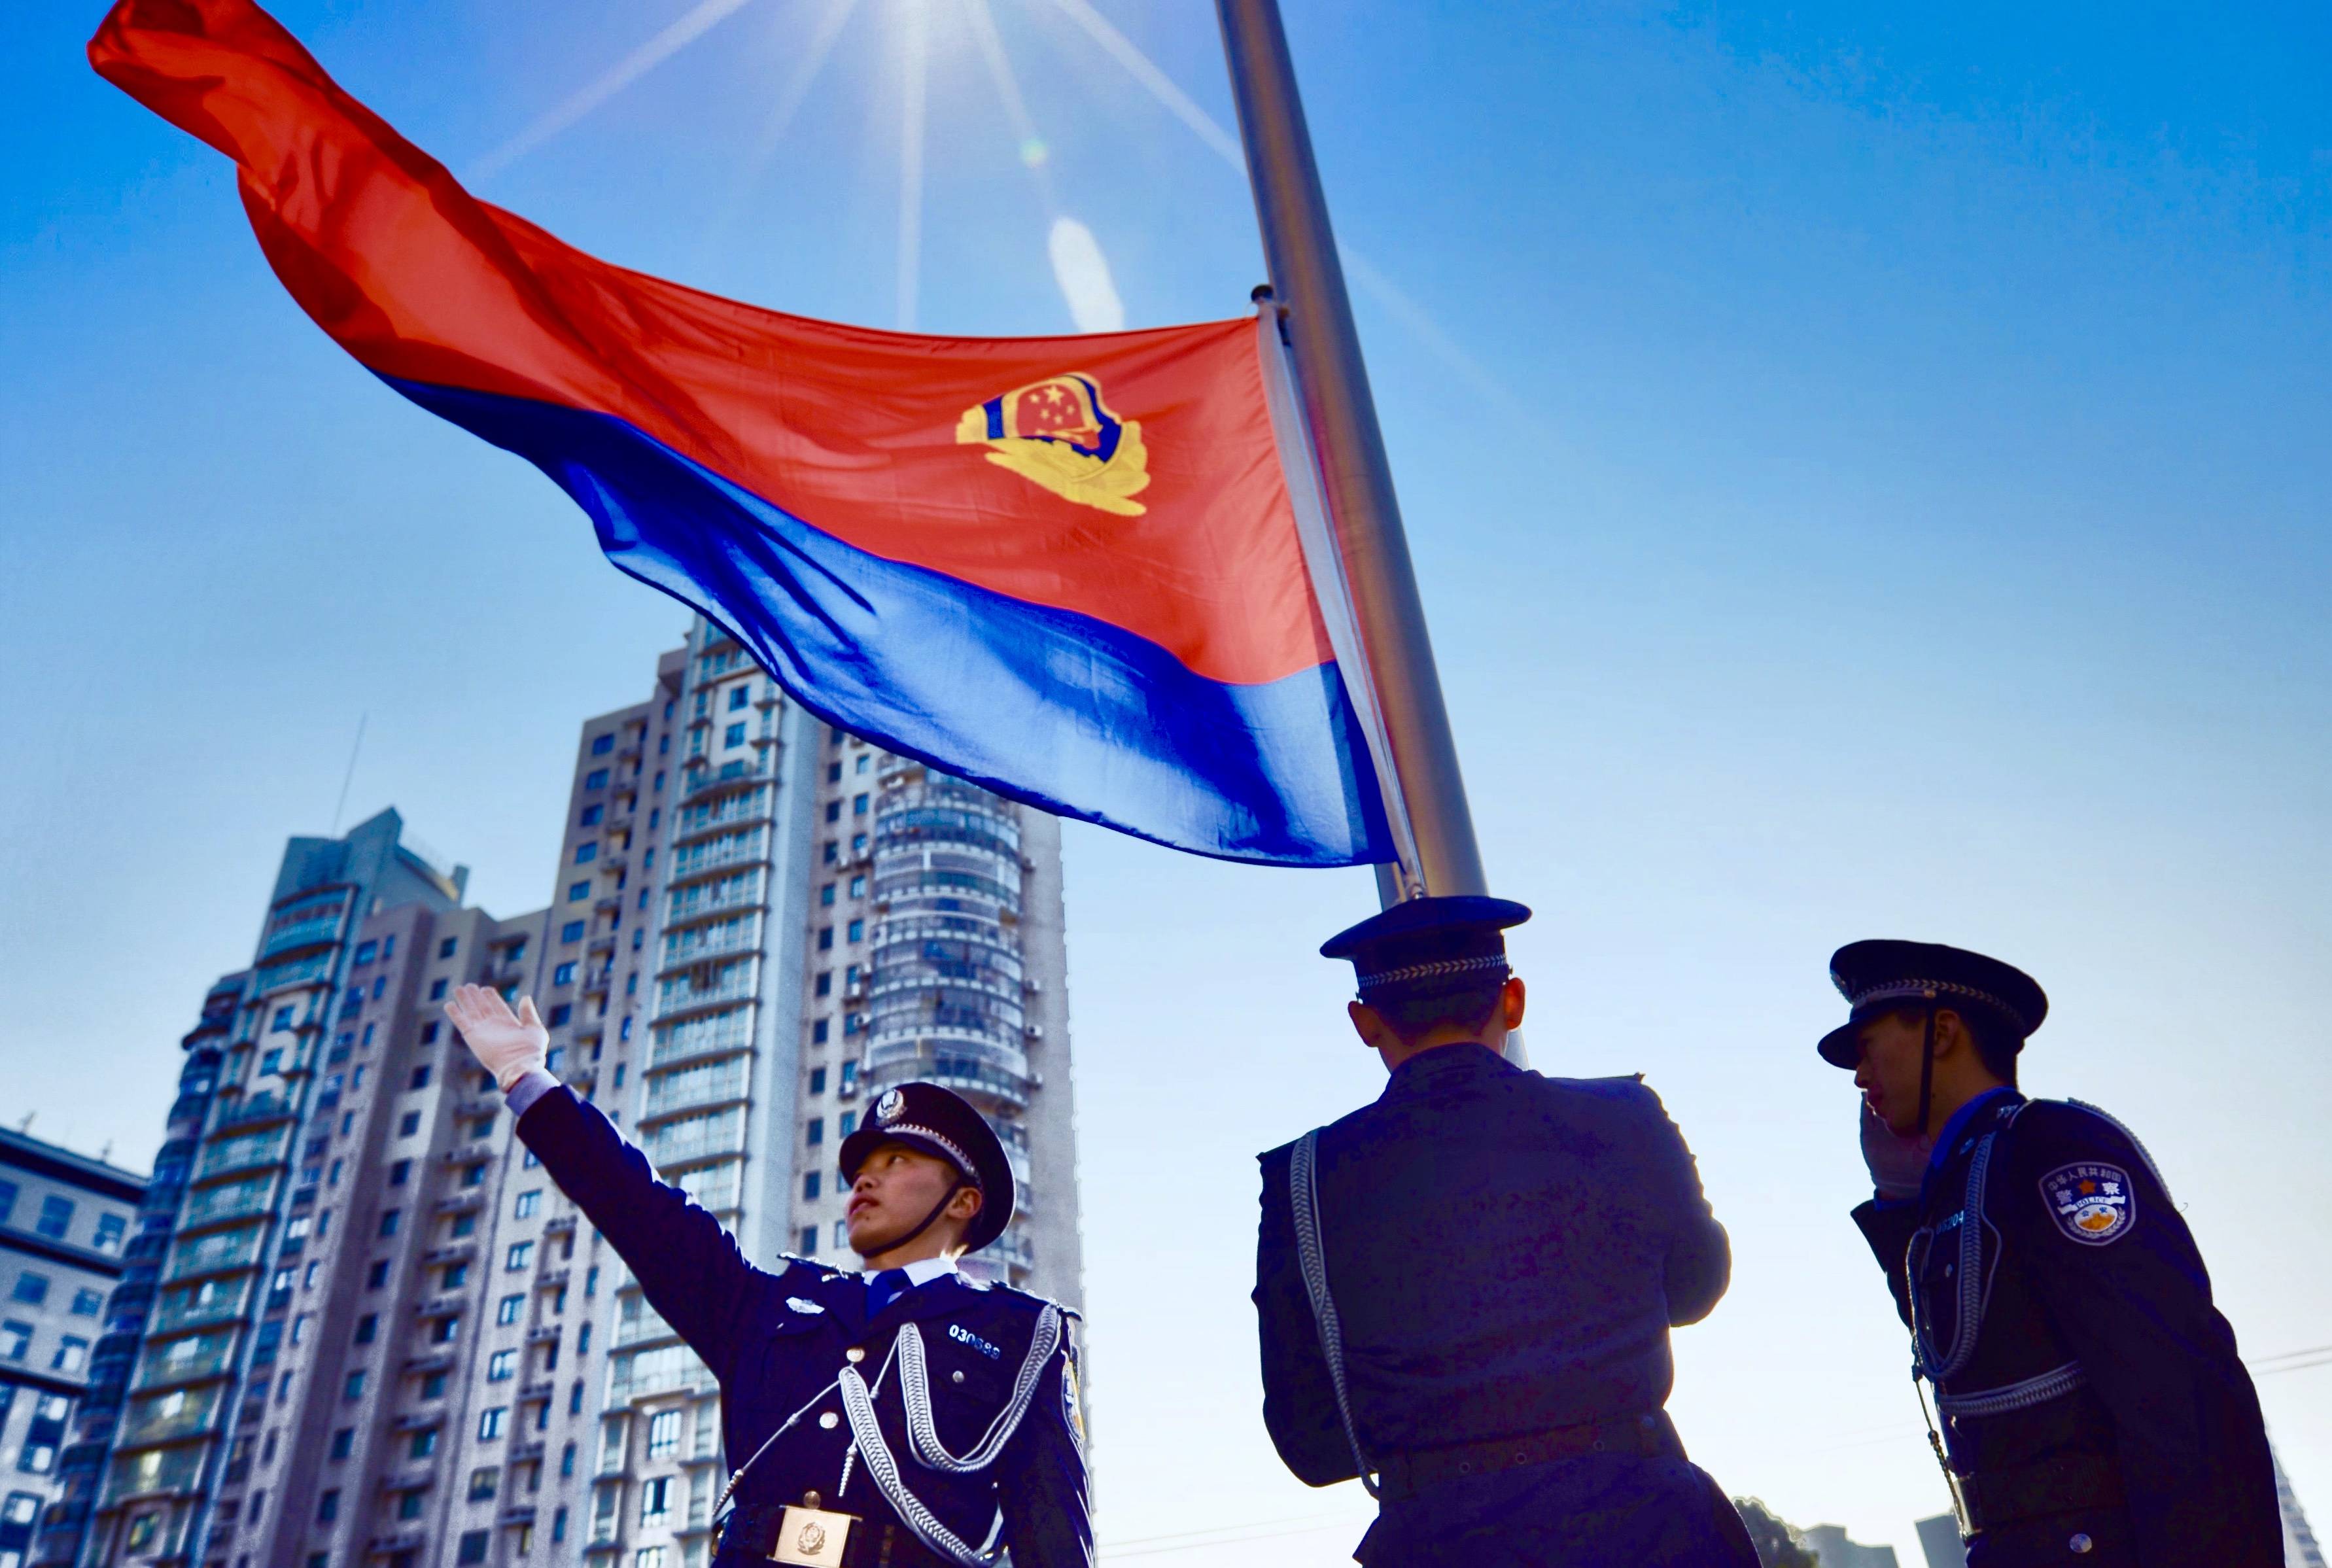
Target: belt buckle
point(812, 1536)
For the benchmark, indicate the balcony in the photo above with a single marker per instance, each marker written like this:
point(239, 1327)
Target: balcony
point(452, 1252)
point(704, 1039)
point(214, 1206)
point(192, 1419)
point(321, 932)
point(673, 998)
point(1010, 1249)
point(256, 1111)
point(165, 1370)
point(193, 1312)
point(694, 1089)
point(238, 1154)
point(963, 1078)
point(197, 1260)
point(314, 970)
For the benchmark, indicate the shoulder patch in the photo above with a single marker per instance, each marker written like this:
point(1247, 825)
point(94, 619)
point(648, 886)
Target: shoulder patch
point(1073, 1404)
point(2091, 1201)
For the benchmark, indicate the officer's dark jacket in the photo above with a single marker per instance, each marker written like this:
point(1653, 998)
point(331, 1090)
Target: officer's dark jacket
point(776, 1339)
point(2164, 1394)
point(1507, 1253)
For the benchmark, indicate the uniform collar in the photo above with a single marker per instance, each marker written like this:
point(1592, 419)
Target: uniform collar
point(1948, 1139)
point(923, 1271)
point(1446, 1061)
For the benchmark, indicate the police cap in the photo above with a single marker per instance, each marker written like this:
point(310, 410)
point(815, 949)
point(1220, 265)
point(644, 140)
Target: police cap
point(1879, 977)
point(1429, 943)
point(940, 1122)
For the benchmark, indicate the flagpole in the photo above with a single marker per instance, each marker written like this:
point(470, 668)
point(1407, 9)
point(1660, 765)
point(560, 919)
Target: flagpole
point(1308, 281)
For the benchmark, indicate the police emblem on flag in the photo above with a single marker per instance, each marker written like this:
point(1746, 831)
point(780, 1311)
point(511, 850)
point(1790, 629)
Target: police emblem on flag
point(2091, 1201)
point(887, 1108)
point(1058, 433)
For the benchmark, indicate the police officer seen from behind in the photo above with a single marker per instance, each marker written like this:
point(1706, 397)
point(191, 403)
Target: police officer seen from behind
point(1468, 1286)
point(907, 1416)
point(2094, 1410)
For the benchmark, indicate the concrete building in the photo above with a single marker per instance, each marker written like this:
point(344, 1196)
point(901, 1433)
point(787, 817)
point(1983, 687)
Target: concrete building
point(380, 1335)
point(1832, 1548)
point(1939, 1542)
point(65, 1223)
point(2300, 1549)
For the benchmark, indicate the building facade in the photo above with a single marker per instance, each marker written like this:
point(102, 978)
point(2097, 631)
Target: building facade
point(65, 1224)
point(379, 1335)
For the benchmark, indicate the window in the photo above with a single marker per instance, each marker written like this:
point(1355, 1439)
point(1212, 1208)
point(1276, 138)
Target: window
point(734, 735)
point(399, 1171)
point(566, 1465)
point(858, 804)
point(559, 1014)
point(444, 1330)
point(738, 696)
point(388, 1220)
point(833, 851)
point(595, 780)
point(520, 1254)
point(572, 932)
point(379, 988)
point(858, 843)
point(365, 950)
point(388, 947)
point(474, 1176)
point(378, 1274)
point(354, 1388)
point(818, 1080)
point(483, 1482)
point(72, 1354)
point(491, 1421)
point(344, 1443)
point(825, 986)
point(408, 1504)
point(575, 1389)
point(87, 1304)
point(810, 1184)
point(817, 1033)
point(507, 1310)
point(420, 1079)
point(826, 939)
point(579, 892)
point(849, 1124)
point(502, 1366)
point(56, 1217)
point(858, 886)
point(429, 1034)
point(473, 1547)
point(858, 931)
point(282, 1018)
point(833, 812)
point(437, 990)
point(447, 948)
point(455, 1275)
point(564, 974)
point(826, 894)
point(408, 1124)
point(809, 1241)
point(591, 1280)
point(816, 1131)
point(583, 1339)
point(7, 1200)
point(368, 1326)
point(30, 1288)
point(328, 1508)
point(585, 854)
point(433, 1387)
point(528, 1202)
point(841, 1234)
point(655, 1509)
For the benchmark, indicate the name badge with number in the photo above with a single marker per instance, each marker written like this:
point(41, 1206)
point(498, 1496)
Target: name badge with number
point(815, 1536)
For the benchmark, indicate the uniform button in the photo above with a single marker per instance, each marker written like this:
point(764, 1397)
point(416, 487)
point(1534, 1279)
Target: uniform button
point(2080, 1545)
point(829, 1420)
point(955, 1376)
point(854, 1355)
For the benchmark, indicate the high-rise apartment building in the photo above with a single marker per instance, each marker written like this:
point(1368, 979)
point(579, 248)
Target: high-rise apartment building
point(378, 1334)
point(64, 1227)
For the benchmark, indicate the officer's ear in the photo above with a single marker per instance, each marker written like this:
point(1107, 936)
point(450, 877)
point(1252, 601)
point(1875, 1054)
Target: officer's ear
point(1512, 997)
point(1952, 1033)
point(965, 1203)
point(1370, 1026)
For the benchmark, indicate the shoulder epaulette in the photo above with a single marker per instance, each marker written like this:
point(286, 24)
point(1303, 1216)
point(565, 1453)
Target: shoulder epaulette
point(1034, 1300)
point(2111, 1120)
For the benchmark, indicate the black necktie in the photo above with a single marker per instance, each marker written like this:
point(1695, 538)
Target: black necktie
point(885, 1289)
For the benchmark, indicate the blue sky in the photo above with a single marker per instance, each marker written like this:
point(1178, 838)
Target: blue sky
point(1867, 467)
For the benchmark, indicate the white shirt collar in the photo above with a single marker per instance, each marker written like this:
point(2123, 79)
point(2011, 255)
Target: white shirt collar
point(923, 1271)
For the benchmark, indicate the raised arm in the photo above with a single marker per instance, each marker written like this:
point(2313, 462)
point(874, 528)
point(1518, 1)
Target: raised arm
point(687, 1263)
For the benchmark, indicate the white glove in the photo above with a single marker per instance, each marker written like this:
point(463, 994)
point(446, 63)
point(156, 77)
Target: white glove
point(507, 1044)
point(1898, 1165)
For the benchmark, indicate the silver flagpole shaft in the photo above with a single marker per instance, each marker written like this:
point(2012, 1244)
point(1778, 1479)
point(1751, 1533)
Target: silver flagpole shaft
point(1333, 384)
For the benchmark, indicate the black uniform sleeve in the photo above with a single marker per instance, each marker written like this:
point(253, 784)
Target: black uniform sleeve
point(688, 1265)
point(2132, 1299)
point(1040, 1480)
point(1700, 1255)
point(1299, 1402)
point(1888, 1228)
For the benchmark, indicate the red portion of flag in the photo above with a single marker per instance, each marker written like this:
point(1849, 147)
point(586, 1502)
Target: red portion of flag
point(1134, 478)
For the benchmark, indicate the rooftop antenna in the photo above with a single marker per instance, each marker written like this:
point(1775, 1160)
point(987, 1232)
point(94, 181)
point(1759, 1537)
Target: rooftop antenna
point(350, 776)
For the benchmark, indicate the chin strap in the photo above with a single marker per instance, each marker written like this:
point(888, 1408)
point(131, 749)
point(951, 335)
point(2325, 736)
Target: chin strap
point(937, 1210)
point(1926, 1077)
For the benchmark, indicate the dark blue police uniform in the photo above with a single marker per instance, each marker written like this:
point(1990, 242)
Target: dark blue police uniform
point(2095, 1413)
point(1507, 1254)
point(945, 1423)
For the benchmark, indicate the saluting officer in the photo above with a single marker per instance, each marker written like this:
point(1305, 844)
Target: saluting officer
point(907, 1416)
point(1467, 1286)
point(2094, 1410)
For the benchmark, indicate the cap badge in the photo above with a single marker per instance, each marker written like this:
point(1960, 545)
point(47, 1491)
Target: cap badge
point(2091, 1201)
point(889, 1107)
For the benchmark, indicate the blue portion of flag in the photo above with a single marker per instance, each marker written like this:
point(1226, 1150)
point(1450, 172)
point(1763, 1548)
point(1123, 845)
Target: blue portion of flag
point(1039, 704)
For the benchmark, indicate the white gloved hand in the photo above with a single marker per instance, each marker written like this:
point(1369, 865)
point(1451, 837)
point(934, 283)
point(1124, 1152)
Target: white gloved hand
point(507, 1044)
point(1898, 1165)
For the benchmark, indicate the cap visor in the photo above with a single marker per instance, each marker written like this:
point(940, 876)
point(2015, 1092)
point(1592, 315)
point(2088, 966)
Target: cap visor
point(1842, 1046)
